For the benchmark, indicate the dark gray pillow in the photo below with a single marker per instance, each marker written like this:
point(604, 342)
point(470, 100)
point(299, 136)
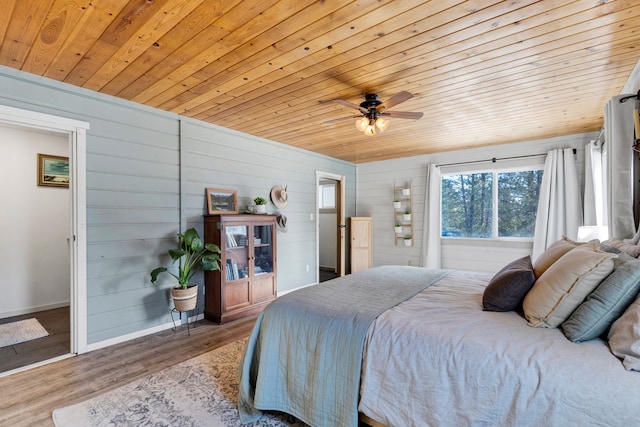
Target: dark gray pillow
point(609, 249)
point(508, 287)
point(606, 303)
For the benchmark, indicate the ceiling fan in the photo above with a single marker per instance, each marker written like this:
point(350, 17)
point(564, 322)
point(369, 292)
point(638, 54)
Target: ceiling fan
point(373, 112)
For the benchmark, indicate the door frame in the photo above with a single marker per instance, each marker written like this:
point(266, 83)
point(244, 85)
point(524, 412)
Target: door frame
point(77, 133)
point(340, 221)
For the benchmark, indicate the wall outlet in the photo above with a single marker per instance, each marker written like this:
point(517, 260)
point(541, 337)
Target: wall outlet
point(310, 217)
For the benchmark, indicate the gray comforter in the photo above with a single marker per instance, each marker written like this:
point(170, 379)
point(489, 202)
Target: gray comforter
point(305, 353)
point(439, 360)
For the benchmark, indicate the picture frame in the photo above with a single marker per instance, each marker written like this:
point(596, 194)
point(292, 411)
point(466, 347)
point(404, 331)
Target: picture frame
point(53, 171)
point(221, 201)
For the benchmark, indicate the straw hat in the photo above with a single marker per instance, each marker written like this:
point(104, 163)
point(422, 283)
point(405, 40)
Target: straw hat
point(281, 221)
point(279, 196)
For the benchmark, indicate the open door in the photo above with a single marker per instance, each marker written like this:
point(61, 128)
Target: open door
point(73, 133)
point(341, 228)
point(330, 226)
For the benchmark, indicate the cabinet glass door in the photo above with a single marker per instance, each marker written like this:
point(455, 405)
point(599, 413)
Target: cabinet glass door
point(236, 253)
point(263, 249)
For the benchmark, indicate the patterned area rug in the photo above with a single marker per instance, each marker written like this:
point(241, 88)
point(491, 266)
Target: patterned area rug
point(21, 331)
point(202, 391)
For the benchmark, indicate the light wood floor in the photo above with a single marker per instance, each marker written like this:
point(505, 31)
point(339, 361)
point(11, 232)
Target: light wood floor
point(56, 322)
point(28, 398)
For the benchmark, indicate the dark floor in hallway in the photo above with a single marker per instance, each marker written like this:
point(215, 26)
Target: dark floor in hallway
point(327, 274)
point(56, 322)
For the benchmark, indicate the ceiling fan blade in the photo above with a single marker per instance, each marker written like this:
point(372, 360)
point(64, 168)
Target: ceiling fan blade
point(341, 119)
point(349, 104)
point(395, 100)
point(404, 114)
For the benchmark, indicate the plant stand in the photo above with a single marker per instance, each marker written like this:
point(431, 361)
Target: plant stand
point(174, 310)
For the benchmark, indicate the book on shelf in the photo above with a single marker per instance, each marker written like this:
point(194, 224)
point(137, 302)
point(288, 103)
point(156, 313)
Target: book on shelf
point(231, 241)
point(232, 270)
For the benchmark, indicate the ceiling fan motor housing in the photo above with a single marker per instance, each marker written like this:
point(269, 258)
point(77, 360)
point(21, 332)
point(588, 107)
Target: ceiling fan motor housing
point(371, 101)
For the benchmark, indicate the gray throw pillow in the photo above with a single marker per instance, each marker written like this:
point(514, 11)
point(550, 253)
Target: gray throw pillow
point(606, 303)
point(508, 287)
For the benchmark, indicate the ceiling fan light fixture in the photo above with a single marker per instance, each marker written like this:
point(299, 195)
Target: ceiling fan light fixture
point(382, 123)
point(362, 123)
point(374, 116)
point(370, 129)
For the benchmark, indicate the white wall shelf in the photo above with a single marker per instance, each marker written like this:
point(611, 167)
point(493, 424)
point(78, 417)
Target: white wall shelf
point(403, 212)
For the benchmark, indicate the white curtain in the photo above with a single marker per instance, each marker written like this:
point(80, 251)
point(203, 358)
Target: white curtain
point(595, 213)
point(431, 229)
point(618, 130)
point(559, 207)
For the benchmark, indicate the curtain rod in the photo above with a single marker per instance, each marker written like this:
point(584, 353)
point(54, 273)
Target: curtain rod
point(626, 98)
point(493, 160)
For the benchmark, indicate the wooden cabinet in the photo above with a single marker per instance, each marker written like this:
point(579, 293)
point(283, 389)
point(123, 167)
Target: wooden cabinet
point(246, 282)
point(361, 243)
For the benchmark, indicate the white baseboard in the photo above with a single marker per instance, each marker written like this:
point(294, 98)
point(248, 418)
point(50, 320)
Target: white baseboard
point(144, 332)
point(33, 309)
point(137, 334)
point(35, 365)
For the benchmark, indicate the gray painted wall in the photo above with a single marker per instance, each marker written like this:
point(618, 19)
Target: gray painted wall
point(135, 196)
point(375, 196)
point(217, 157)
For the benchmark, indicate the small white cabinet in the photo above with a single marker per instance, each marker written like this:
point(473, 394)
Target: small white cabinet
point(361, 243)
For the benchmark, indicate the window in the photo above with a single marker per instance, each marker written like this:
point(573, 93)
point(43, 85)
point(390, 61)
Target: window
point(490, 204)
point(327, 195)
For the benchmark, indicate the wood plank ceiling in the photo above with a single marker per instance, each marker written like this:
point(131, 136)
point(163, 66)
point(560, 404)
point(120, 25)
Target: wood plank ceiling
point(483, 72)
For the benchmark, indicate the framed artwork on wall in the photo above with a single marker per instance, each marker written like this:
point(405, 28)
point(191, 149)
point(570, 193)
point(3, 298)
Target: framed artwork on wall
point(222, 201)
point(53, 171)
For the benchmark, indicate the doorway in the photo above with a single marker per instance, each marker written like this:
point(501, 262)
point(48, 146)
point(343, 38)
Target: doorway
point(47, 219)
point(331, 226)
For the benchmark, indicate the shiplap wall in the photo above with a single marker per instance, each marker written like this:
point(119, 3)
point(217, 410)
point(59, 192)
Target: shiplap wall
point(217, 157)
point(375, 183)
point(134, 201)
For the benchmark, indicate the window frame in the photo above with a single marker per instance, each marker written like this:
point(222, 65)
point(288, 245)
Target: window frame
point(517, 165)
point(322, 207)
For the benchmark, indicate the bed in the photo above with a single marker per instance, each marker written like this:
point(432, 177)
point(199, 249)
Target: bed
point(441, 351)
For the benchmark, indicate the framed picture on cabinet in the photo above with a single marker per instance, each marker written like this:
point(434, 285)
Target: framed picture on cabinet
point(222, 201)
point(53, 171)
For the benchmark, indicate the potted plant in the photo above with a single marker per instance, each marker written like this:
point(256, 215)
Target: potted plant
point(407, 215)
point(398, 228)
point(192, 255)
point(397, 204)
point(407, 241)
point(261, 205)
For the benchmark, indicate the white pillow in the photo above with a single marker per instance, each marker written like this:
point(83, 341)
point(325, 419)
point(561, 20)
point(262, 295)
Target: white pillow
point(555, 251)
point(624, 337)
point(564, 285)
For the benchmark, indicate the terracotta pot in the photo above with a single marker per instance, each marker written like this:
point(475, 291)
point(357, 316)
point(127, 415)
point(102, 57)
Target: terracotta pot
point(185, 299)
